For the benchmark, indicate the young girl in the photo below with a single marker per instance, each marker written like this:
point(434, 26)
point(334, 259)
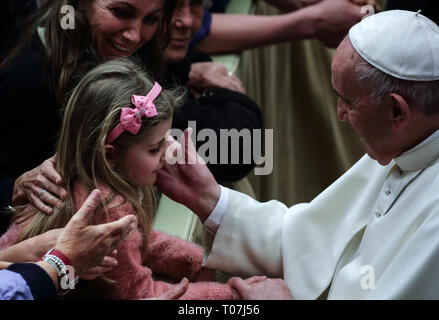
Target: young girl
point(113, 138)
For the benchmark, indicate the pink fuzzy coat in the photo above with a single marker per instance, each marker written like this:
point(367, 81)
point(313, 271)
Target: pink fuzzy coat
point(167, 255)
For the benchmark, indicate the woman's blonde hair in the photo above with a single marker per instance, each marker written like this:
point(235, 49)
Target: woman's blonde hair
point(70, 53)
point(92, 111)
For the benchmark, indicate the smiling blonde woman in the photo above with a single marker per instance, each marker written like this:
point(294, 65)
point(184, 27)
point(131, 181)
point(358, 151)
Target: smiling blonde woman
point(48, 61)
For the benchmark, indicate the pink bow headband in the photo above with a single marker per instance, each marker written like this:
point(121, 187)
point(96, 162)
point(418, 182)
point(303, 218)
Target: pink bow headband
point(131, 119)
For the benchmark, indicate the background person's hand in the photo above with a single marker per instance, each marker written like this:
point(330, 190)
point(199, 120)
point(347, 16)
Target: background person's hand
point(28, 186)
point(206, 75)
point(334, 18)
point(372, 3)
point(261, 288)
point(86, 246)
point(188, 181)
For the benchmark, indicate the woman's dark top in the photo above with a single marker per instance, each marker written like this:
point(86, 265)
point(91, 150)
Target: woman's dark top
point(29, 119)
point(29, 112)
point(38, 281)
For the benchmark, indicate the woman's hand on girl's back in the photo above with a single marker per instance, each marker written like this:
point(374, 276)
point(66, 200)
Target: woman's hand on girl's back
point(41, 187)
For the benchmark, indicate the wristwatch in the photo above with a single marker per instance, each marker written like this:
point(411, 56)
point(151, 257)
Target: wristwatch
point(63, 266)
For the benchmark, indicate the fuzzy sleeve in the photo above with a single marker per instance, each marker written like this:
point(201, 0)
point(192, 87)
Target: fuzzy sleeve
point(133, 280)
point(176, 258)
point(173, 257)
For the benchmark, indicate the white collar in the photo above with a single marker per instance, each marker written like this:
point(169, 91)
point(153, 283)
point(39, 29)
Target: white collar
point(421, 155)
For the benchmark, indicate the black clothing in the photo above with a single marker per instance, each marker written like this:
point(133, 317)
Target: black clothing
point(29, 113)
point(29, 119)
point(39, 282)
point(216, 109)
point(13, 14)
point(6, 188)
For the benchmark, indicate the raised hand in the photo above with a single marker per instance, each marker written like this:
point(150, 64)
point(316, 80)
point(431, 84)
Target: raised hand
point(186, 179)
point(261, 288)
point(86, 246)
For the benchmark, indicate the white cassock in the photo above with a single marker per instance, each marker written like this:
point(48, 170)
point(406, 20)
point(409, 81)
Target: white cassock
point(372, 234)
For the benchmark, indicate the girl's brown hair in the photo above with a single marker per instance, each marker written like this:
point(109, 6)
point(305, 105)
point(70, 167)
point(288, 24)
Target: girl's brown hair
point(92, 111)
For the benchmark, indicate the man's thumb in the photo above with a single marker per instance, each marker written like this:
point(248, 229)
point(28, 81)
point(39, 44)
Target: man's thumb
point(88, 207)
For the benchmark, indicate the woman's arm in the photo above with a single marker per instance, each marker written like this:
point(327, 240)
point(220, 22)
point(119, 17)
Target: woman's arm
point(30, 250)
point(291, 5)
point(328, 21)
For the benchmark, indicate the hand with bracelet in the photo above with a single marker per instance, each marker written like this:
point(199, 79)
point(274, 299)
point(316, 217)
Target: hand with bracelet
point(83, 246)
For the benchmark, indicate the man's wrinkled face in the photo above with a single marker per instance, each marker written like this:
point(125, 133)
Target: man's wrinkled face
point(354, 106)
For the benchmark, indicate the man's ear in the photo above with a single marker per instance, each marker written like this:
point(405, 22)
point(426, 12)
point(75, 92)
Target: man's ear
point(401, 112)
point(110, 152)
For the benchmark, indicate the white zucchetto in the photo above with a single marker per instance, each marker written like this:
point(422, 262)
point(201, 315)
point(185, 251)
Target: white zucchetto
point(403, 44)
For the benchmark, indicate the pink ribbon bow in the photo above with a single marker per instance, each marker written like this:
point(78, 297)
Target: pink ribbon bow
point(131, 119)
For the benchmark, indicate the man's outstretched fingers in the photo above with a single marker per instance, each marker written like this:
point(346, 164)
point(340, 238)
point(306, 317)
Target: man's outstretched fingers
point(190, 152)
point(121, 227)
point(255, 279)
point(238, 283)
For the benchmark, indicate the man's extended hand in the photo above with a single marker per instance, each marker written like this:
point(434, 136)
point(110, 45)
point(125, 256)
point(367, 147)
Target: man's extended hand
point(86, 246)
point(186, 179)
point(261, 288)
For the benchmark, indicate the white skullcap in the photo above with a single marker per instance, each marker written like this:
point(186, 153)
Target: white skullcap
point(401, 43)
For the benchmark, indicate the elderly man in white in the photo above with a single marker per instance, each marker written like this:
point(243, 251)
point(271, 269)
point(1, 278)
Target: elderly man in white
point(374, 233)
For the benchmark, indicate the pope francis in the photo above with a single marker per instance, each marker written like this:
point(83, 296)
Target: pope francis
point(374, 233)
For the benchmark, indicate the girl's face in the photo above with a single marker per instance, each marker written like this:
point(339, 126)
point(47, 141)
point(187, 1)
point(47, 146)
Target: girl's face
point(121, 27)
point(142, 160)
point(186, 21)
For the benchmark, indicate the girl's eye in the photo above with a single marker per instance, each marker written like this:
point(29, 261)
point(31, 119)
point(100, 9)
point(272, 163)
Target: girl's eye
point(158, 148)
point(122, 13)
point(155, 150)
